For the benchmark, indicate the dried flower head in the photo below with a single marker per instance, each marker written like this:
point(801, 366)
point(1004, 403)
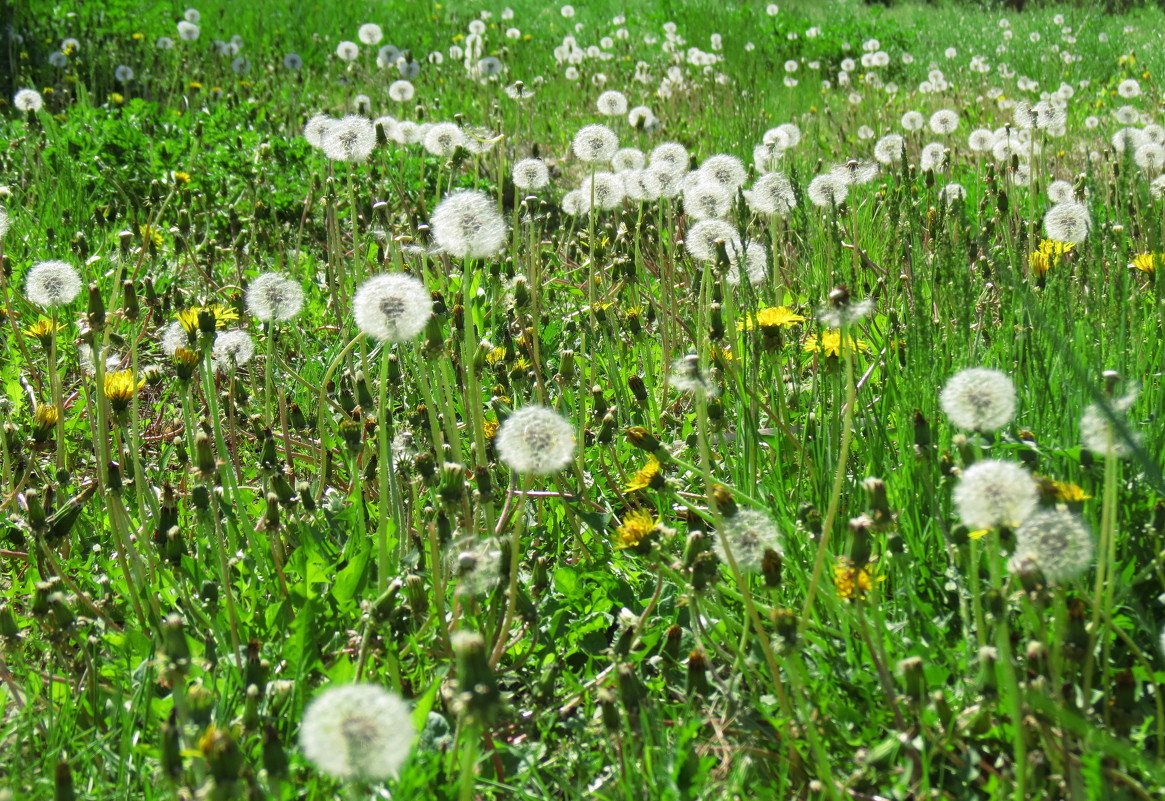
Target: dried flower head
point(995, 493)
point(52, 283)
point(232, 349)
point(393, 307)
point(1057, 542)
point(357, 731)
point(749, 534)
point(535, 439)
point(979, 399)
point(467, 225)
point(274, 298)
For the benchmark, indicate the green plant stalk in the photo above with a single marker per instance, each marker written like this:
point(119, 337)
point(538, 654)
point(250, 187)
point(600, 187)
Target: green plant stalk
point(144, 494)
point(226, 474)
point(269, 375)
point(1105, 568)
point(387, 474)
point(475, 415)
point(515, 563)
point(55, 393)
point(847, 424)
point(1005, 667)
point(322, 404)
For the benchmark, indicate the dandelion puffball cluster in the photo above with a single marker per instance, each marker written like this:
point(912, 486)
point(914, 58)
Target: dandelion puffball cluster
point(979, 399)
point(393, 307)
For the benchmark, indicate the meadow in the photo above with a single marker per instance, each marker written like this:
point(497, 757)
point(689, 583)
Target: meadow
point(463, 401)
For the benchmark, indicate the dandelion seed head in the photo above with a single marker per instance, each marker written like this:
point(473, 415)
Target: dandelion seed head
point(531, 174)
point(749, 534)
point(628, 158)
point(993, 493)
point(232, 349)
point(913, 121)
point(188, 31)
point(979, 399)
point(535, 440)
point(706, 200)
point(751, 263)
point(688, 378)
point(888, 150)
point(1057, 541)
point(402, 91)
point(467, 225)
point(827, 191)
point(316, 128)
point(351, 138)
point(444, 138)
point(27, 100)
point(702, 239)
point(595, 143)
point(981, 140)
point(944, 121)
point(274, 298)
point(52, 283)
point(772, 193)
point(612, 103)
point(357, 731)
point(725, 170)
point(392, 307)
point(1099, 435)
point(347, 51)
point(641, 185)
point(669, 157)
point(370, 33)
point(1068, 222)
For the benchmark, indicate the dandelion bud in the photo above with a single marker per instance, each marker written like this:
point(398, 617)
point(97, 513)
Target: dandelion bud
point(63, 782)
point(204, 456)
point(642, 439)
point(271, 513)
point(724, 500)
point(275, 760)
point(698, 675)
point(610, 711)
point(478, 696)
point(606, 429)
point(44, 422)
point(913, 676)
point(452, 486)
point(481, 477)
point(566, 365)
point(8, 626)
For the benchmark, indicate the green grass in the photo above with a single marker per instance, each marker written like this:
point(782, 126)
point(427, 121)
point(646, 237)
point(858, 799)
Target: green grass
point(242, 546)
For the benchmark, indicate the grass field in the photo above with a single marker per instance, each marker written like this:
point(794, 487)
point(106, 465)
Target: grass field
point(710, 401)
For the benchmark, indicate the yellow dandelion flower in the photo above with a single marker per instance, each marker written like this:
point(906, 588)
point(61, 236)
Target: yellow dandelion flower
point(496, 355)
point(1147, 262)
point(490, 428)
point(120, 388)
point(772, 317)
point(222, 315)
point(43, 330)
point(44, 420)
point(637, 527)
point(180, 177)
point(116, 98)
point(851, 582)
point(648, 476)
point(150, 234)
point(978, 534)
point(830, 344)
point(1068, 492)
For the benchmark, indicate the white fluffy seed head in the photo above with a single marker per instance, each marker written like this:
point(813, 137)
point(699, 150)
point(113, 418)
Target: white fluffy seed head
point(274, 298)
point(979, 399)
point(27, 100)
point(706, 200)
point(628, 158)
point(595, 143)
point(913, 121)
point(752, 263)
point(357, 731)
point(1099, 435)
point(351, 138)
point(944, 121)
point(535, 440)
point(994, 493)
point(402, 91)
point(772, 193)
point(688, 378)
point(827, 191)
point(393, 307)
point(749, 534)
point(1068, 222)
point(315, 129)
point(52, 283)
point(1060, 191)
point(174, 337)
point(4, 222)
point(981, 140)
point(232, 349)
point(1057, 542)
point(725, 170)
point(670, 157)
point(531, 174)
point(641, 185)
point(702, 238)
point(612, 103)
point(603, 190)
point(888, 149)
point(467, 225)
point(444, 138)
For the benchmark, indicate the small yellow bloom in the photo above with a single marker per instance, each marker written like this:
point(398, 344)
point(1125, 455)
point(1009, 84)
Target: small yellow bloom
point(120, 388)
point(830, 344)
point(1068, 492)
point(43, 330)
point(45, 417)
point(180, 177)
point(1047, 255)
point(978, 534)
point(194, 86)
point(490, 428)
point(851, 582)
point(772, 317)
point(496, 355)
point(647, 476)
point(1147, 262)
point(150, 234)
point(137, 37)
point(637, 527)
point(222, 314)
point(116, 98)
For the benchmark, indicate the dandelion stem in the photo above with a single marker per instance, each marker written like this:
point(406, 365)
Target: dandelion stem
point(851, 392)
